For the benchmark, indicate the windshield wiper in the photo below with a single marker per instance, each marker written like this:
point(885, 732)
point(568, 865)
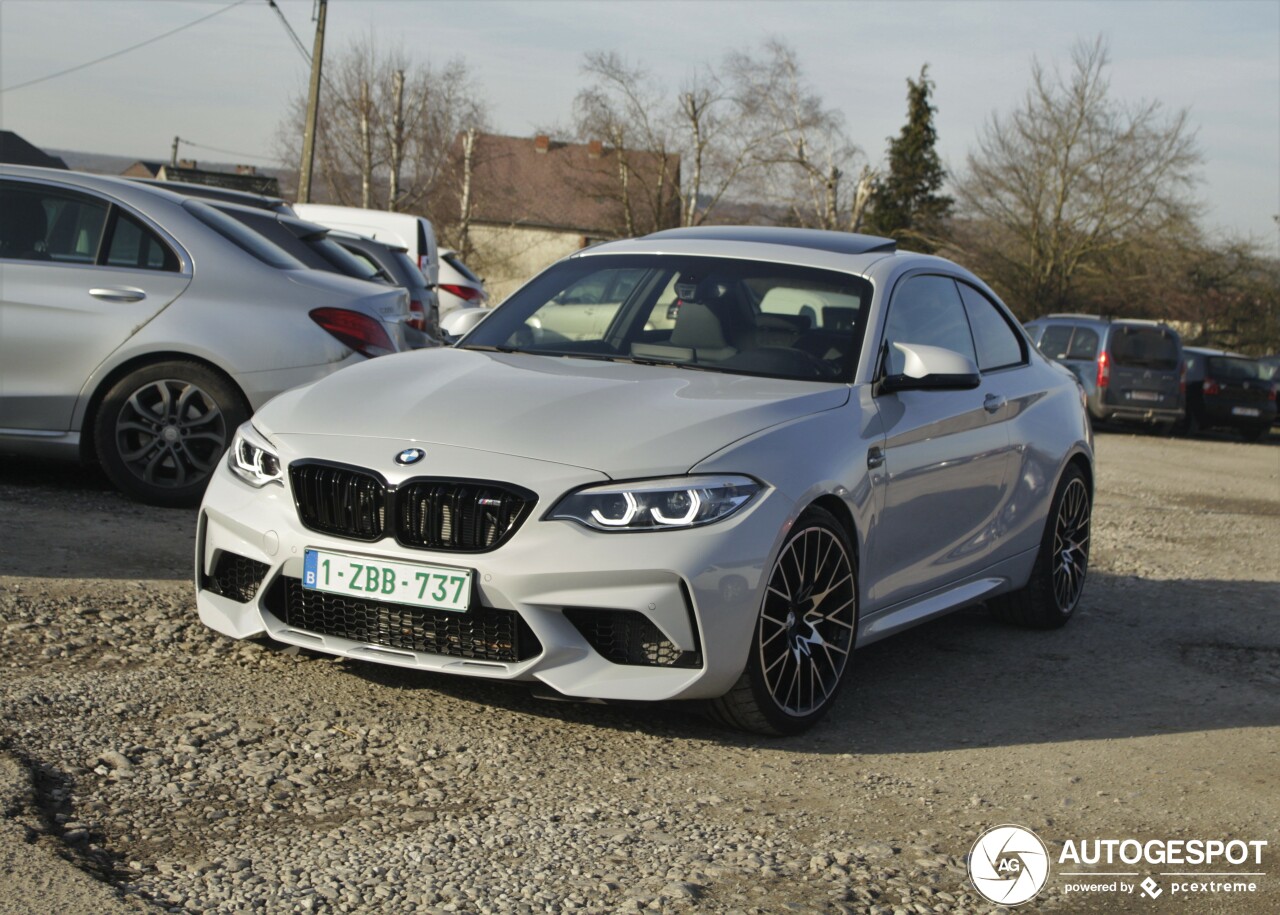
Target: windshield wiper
point(485, 348)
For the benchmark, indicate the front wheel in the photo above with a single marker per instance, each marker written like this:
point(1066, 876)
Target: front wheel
point(161, 429)
point(804, 633)
point(1057, 579)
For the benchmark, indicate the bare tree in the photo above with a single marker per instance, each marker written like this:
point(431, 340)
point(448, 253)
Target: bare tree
point(807, 155)
point(1072, 177)
point(386, 127)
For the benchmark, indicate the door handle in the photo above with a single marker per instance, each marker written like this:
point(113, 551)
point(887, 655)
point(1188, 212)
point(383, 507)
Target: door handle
point(992, 403)
point(875, 457)
point(119, 294)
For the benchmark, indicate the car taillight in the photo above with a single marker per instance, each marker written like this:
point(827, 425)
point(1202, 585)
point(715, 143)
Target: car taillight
point(1272, 395)
point(417, 315)
point(359, 331)
point(1104, 369)
point(467, 293)
point(1211, 387)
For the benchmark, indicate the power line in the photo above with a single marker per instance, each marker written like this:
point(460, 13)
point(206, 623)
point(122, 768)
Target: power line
point(302, 49)
point(135, 47)
point(228, 152)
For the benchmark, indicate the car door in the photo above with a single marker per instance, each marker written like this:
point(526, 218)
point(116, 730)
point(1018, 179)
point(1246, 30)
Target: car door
point(78, 276)
point(946, 456)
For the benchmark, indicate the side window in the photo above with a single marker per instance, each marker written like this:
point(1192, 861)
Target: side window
point(927, 310)
point(134, 245)
point(39, 223)
point(1084, 345)
point(1056, 342)
point(997, 343)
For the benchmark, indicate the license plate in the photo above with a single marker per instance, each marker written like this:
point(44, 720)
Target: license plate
point(437, 587)
point(1245, 411)
point(1145, 395)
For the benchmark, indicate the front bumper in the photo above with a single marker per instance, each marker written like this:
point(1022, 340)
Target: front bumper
point(700, 589)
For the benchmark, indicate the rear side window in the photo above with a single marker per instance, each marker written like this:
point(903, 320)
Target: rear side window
point(1056, 341)
point(997, 344)
point(134, 245)
point(1144, 347)
point(1084, 344)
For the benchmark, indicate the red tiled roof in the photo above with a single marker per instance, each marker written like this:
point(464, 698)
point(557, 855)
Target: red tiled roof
point(566, 186)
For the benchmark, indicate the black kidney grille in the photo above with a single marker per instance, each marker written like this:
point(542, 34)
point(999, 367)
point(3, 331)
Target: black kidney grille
point(455, 515)
point(629, 637)
point(235, 576)
point(340, 500)
point(482, 633)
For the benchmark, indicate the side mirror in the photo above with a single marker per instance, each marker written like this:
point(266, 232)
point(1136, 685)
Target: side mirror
point(460, 322)
point(931, 368)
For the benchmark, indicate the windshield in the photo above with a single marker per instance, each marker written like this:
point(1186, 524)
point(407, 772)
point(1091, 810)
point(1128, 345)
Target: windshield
point(718, 314)
point(1234, 368)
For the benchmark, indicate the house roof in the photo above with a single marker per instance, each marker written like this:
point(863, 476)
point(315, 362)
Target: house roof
point(16, 151)
point(534, 181)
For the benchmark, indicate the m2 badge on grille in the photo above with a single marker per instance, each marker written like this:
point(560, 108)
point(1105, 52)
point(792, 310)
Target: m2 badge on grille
point(415, 584)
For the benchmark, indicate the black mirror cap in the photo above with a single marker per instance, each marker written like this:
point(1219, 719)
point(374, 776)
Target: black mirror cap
point(963, 382)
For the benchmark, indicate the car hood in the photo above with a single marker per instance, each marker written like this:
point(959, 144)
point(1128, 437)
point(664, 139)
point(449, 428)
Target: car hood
point(619, 419)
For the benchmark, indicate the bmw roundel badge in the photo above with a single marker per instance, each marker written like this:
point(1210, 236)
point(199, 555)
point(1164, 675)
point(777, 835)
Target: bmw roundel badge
point(410, 456)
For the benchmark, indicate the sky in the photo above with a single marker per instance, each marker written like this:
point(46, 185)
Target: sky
point(225, 82)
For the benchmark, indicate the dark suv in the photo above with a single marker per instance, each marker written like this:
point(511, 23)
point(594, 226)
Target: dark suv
point(1227, 390)
point(1131, 370)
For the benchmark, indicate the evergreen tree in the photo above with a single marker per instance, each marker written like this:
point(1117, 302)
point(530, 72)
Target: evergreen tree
point(907, 203)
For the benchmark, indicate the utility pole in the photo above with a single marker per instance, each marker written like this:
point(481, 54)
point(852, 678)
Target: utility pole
point(313, 107)
point(173, 157)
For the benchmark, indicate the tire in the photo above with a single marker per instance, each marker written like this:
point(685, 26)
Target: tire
point(161, 430)
point(1057, 580)
point(801, 645)
point(1254, 433)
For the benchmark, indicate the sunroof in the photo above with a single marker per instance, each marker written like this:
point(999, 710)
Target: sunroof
point(835, 242)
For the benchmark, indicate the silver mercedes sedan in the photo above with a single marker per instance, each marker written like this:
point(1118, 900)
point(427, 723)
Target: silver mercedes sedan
point(703, 464)
point(142, 328)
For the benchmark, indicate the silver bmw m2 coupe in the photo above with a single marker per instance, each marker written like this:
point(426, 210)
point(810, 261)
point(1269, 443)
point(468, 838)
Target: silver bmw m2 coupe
point(703, 464)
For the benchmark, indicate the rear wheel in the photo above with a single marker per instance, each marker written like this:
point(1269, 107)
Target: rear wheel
point(161, 430)
point(1254, 433)
point(804, 633)
point(1057, 580)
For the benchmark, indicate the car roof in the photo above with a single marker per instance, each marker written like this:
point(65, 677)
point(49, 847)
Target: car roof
point(1206, 351)
point(841, 251)
point(1105, 320)
point(132, 192)
point(212, 192)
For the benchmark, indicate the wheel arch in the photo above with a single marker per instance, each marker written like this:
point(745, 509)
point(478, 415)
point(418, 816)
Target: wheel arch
point(88, 448)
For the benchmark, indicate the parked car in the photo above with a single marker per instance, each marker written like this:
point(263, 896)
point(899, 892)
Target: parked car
point(458, 286)
point(1271, 364)
point(719, 509)
point(413, 233)
point(1131, 370)
point(1228, 391)
point(394, 261)
point(141, 328)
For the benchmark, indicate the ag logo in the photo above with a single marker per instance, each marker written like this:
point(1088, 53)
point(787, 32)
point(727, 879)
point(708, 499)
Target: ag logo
point(410, 456)
point(1008, 865)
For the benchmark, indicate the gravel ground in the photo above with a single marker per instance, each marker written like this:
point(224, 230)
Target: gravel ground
point(147, 764)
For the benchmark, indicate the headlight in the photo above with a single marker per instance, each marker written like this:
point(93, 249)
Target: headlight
point(252, 458)
point(657, 505)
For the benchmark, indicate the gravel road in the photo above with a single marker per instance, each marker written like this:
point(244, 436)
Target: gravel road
point(147, 764)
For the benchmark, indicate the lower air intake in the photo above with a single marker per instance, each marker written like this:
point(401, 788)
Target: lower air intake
point(235, 576)
point(629, 637)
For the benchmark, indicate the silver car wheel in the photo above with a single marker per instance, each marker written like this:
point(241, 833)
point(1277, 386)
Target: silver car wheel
point(807, 621)
point(170, 433)
point(1071, 545)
